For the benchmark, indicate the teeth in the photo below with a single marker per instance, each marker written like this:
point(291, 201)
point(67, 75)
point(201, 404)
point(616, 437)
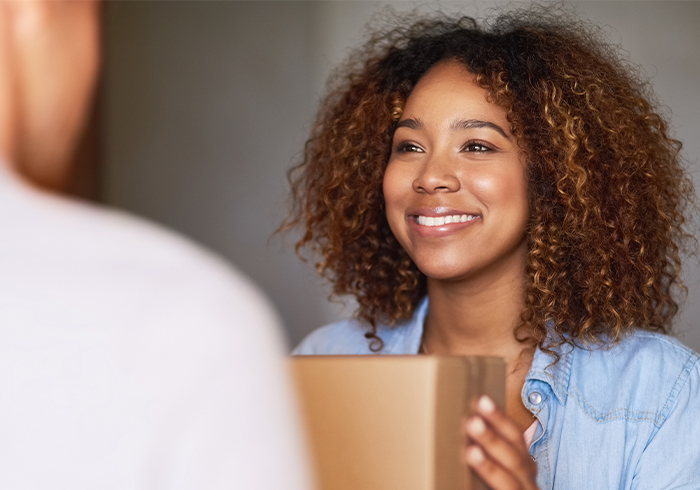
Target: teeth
point(445, 220)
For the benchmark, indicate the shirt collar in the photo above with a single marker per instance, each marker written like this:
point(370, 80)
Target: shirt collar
point(406, 339)
point(555, 375)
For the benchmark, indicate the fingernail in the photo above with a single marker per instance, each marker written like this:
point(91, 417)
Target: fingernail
point(486, 405)
point(476, 426)
point(475, 455)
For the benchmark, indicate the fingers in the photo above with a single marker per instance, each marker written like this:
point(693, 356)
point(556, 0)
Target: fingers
point(496, 447)
point(498, 453)
point(492, 474)
point(499, 421)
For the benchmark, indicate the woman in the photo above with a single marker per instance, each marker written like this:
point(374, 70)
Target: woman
point(510, 191)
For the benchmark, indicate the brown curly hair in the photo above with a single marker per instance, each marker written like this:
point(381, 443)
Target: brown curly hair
point(609, 198)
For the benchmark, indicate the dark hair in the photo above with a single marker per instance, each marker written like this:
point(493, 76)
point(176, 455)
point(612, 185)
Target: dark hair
point(608, 193)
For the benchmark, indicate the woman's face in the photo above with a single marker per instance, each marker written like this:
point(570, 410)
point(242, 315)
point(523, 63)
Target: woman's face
point(455, 186)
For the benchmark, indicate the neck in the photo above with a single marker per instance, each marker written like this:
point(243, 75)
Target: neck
point(8, 89)
point(477, 316)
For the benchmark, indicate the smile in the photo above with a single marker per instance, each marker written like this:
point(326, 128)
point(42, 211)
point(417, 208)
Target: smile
point(440, 222)
point(444, 220)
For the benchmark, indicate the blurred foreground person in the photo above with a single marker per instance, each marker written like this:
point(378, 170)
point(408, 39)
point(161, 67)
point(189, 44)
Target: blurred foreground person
point(129, 358)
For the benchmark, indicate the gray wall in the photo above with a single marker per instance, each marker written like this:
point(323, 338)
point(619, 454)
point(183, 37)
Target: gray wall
point(208, 103)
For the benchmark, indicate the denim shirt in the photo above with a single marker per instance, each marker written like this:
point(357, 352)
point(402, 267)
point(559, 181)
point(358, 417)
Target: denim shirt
point(626, 417)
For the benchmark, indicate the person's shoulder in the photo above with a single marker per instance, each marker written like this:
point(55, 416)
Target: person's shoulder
point(138, 271)
point(346, 337)
point(640, 350)
point(100, 235)
point(650, 352)
point(195, 295)
point(643, 373)
point(204, 281)
point(142, 238)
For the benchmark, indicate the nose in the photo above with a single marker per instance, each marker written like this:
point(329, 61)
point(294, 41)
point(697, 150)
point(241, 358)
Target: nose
point(436, 175)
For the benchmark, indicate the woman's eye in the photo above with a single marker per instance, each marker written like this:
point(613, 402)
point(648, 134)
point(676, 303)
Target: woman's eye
point(408, 148)
point(475, 146)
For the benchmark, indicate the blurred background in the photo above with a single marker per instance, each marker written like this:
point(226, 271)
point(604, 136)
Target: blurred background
point(204, 106)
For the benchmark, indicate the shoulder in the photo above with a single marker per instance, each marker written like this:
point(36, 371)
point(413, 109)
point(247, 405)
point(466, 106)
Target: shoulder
point(339, 338)
point(643, 352)
point(348, 337)
point(78, 234)
point(93, 265)
point(197, 285)
point(645, 373)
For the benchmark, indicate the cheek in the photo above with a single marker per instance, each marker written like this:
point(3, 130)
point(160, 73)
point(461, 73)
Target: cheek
point(516, 189)
point(394, 188)
point(398, 191)
point(498, 189)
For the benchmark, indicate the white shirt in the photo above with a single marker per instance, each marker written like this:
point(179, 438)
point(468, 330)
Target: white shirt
point(132, 359)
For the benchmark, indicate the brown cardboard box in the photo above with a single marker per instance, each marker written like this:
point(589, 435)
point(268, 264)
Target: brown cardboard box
point(393, 422)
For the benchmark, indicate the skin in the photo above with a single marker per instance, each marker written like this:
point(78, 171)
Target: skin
point(49, 60)
point(453, 153)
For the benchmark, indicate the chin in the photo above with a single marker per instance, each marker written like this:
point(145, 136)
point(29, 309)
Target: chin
point(443, 272)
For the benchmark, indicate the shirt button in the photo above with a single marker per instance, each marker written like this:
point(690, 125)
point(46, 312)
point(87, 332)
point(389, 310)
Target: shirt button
point(535, 398)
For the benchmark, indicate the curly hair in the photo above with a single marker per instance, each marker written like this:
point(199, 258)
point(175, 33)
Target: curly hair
point(609, 197)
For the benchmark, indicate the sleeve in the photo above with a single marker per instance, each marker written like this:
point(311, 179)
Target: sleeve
point(671, 460)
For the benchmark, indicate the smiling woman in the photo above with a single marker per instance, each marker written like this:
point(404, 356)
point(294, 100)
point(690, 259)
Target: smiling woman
point(451, 156)
point(511, 191)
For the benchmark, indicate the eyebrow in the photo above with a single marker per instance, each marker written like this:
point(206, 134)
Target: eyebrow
point(477, 123)
point(457, 125)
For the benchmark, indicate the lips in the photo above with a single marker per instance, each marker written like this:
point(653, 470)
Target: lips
point(444, 220)
point(435, 222)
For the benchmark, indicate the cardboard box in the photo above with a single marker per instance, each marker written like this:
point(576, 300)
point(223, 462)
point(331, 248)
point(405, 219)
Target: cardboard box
point(393, 422)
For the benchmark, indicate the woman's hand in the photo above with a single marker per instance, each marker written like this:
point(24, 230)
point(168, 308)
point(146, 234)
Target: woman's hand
point(497, 451)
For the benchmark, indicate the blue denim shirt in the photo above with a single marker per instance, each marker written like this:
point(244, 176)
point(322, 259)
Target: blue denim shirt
point(627, 417)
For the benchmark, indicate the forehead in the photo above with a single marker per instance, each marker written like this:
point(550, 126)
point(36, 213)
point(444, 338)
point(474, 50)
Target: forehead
point(449, 91)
